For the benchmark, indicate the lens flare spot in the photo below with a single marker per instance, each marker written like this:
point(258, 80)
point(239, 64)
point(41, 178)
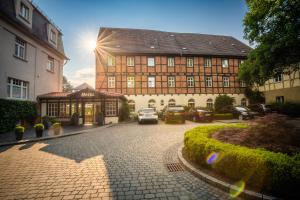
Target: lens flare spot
point(211, 158)
point(237, 188)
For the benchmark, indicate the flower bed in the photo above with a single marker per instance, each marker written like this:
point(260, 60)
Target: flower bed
point(264, 170)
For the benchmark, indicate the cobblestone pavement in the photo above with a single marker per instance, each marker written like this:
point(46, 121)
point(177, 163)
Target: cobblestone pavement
point(126, 161)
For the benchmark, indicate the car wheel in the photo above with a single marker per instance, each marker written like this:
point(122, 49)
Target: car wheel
point(241, 117)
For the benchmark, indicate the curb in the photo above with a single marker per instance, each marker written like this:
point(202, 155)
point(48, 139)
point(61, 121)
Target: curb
point(52, 137)
point(247, 194)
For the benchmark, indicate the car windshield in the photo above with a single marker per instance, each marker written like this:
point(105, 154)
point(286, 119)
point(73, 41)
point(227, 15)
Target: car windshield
point(148, 110)
point(241, 109)
point(176, 108)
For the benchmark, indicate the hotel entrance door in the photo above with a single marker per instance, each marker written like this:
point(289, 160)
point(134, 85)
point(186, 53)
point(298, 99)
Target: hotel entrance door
point(91, 111)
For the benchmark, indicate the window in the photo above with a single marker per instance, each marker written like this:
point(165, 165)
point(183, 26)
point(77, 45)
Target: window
point(208, 81)
point(190, 81)
point(151, 62)
point(111, 61)
point(130, 61)
point(151, 103)
point(24, 12)
point(130, 82)
point(171, 62)
point(20, 48)
point(53, 36)
point(171, 81)
point(225, 81)
point(278, 78)
point(224, 62)
point(209, 103)
point(280, 99)
point(151, 81)
point(64, 109)
point(241, 62)
point(52, 110)
point(243, 83)
point(111, 82)
point(131, 105)
point(110, 108)
point(191, 103)
point(17, 89)
point(171, 102)
point(189, 62)
point(243, 102)
point(207, 62)
point(50, 64)
point(162, 102)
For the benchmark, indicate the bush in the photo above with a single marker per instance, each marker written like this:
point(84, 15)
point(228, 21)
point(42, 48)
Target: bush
point(223, 116)
point(254, 96)
point(74, 119)
point(124, 112)
point(13, 110)
point(222, 101)
point(56, 125)
point(288, 108)
point(19, 129)
point(274, 172)
point(39, 127)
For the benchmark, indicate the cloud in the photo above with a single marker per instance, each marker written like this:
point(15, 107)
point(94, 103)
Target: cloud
point(83, 75)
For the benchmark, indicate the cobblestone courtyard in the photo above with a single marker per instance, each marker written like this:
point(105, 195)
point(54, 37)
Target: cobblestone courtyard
point(126, 161)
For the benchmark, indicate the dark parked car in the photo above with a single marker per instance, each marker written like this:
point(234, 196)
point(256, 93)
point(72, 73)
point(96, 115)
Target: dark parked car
point(259, 109)
point(239, 112)
point(199, 114)
point(174, 114)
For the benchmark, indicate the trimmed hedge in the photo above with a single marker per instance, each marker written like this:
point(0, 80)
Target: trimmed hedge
point(268, 171)
point(288, 108)
point(223, 116)
point(13, 110)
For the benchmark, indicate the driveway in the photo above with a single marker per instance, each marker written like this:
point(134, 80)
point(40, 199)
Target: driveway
point(126, 161)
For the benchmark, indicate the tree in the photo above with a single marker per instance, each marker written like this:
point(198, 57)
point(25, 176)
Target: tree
point(274, 26)
point(67, 87)
point(254, 96)
point(222, 101)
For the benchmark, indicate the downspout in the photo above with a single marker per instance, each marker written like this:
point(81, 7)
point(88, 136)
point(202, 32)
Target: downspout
point(35, 75)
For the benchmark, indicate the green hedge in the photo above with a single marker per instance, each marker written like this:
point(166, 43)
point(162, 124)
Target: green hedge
point(223, 116)
point(289, 108)
point(14, 110)
point(275, 172)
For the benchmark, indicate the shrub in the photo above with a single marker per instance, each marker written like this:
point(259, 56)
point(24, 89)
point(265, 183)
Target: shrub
point(19, 129)
point(74, 119)
point(254, 96)
point(223, 116)
point(275, 172)
point(289, 108)
point(222, 101)
point(13, 110)
point(39, 127)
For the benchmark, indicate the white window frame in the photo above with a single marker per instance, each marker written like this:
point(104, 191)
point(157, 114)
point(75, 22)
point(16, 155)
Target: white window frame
point(110, 108)
point(209, 103)
point(226, 81)
point(151, 81)
point(208, 81)
point(151, 61)
point(243, 83)
point(53, 36)
point(64, 109)
point(151, 103)
point(190, 62)
point(20, 85)
point(130, 61)
point(50, 64)
point(130, 82)
point(111, 81)
point(20, 48)
point(244, 102)
point(171, 81)
point(278, 78)
point(207, 62)
point(24, 11)
point(52, 110)
point(111, 61)
point(241, 62)
point(191, 103)
point(171, 62)
point(190, 81)
point(172, 102)
point(225, 62)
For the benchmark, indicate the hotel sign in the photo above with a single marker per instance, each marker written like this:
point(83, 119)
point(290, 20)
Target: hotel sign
point(87, 94)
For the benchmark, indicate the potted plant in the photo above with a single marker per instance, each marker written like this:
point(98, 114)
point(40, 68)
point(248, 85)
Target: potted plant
point(19, 131)
point(39, 128)
point(56, 128)
point(46, 121)
point(75, 119)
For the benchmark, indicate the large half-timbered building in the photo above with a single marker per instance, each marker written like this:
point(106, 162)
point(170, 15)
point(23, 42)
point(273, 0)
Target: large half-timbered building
point(155, 68)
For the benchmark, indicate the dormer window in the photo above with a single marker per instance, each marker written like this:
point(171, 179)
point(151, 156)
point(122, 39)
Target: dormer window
point(24, 12)
point(53, 36)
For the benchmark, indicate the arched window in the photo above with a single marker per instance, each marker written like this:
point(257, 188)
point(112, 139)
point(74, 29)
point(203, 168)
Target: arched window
point(172, 102)
point(151, 103)
point(191, 103)
point(243, 102)
point(209, 103)
point(131, 105)
point(162, 102)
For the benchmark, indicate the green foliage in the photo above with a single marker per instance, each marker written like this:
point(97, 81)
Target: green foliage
point(39, 127)
point(223, 116)
point(74, 119)
point(13, 111)
point(288, 108)
point(67, 87)
point(19, 129)
point(273, 25)
point(254, 96)
point(56, 125)
point(221, 101)
point(267, 170)
point(124, 111)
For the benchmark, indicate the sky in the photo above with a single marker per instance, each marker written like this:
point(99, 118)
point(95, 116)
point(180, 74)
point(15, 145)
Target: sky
point(80, 21)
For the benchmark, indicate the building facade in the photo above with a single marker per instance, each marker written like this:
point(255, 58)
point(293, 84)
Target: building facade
point(31, 54)
point(155, 68)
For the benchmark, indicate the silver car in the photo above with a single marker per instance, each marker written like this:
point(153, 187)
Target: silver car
point(147, 115)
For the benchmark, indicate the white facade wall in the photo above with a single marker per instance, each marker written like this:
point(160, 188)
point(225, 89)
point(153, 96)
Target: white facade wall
point(141, 101)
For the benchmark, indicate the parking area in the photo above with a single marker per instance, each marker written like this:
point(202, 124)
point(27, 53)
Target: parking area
point(125, 161)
